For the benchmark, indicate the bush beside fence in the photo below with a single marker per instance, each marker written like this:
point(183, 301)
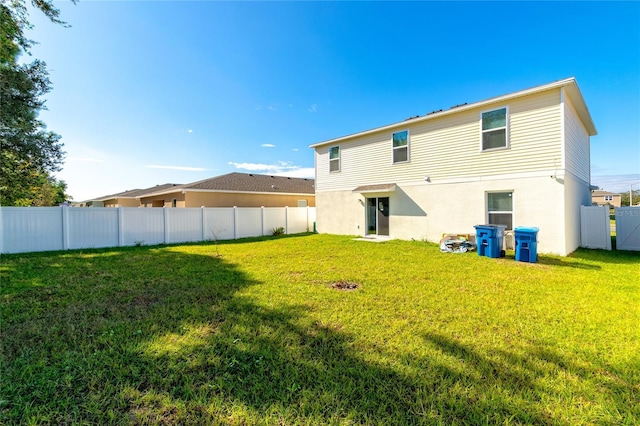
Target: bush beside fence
point(28, 229)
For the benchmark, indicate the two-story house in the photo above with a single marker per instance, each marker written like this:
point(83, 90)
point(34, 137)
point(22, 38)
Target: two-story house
point(520, 159)
point(604, 198)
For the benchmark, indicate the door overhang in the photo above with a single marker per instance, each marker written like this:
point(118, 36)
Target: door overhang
point(376, 189)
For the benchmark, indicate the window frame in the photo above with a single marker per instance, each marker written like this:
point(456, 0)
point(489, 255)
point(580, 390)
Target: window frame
point(608, 197)
point(407, 147)
point(338, 160)
point(490, 212)
point(507, 133)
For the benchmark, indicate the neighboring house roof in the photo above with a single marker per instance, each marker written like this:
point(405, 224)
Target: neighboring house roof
point(247, 182)
point(569, 84)
point(133, 193)
point(601, 193)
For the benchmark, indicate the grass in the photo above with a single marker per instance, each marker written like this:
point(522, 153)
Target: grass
point(260, 335)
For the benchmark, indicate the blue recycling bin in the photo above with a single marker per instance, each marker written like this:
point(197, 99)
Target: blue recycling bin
point(489, 240)
point(526, 244)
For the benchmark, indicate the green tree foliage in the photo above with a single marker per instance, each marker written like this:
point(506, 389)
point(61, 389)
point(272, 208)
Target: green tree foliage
point(624, 199)
point(29, 152)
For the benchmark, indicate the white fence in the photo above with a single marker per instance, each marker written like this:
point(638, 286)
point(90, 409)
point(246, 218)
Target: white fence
point(628, 228)
point(27, 229)
point(595, 227)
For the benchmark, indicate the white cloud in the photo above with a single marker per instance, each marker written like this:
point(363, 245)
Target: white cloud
point(267, 145)
point(190, 131)
point(313, 108)
point(188, 169)
point(295, 149)
point(616, 183)
point(302, 172)
point(282, 168)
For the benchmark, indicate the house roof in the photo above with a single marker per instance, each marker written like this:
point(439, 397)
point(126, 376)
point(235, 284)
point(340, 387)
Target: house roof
point(133, 193)
point(247, 182)
point(599, 193)
point(571, 89)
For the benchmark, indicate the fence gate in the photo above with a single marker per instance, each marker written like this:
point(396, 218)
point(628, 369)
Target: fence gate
point(628, 228)
point(595, 227)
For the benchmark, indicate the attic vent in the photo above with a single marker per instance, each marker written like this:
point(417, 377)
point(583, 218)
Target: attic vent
point(459, 105)
point(250, 175)
point(434, 111)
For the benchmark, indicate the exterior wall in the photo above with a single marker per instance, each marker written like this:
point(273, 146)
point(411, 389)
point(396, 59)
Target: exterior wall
point(222, 199)
point(577, 193)
point(448, 147)
point(122, 202)
point(164, 200)
point(426, 211)
point(577, 148)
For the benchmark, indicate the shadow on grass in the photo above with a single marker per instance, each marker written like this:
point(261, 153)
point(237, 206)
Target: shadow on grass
point(494, 376)
point(606, 256)
point(154, 336)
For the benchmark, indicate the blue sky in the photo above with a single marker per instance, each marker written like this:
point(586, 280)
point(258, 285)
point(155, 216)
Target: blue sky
point(146, 93)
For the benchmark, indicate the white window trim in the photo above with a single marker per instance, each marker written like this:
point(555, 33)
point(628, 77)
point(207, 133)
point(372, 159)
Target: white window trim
point(339, 159)
point(506, 127)
point(408, 160)
point(488, 213)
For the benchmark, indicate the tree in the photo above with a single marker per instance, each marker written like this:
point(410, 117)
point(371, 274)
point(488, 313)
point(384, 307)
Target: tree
point(29, 152)
point(624, 199)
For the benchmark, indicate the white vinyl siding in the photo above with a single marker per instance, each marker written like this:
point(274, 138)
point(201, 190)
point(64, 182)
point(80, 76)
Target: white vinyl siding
point(447, 147)
point(577, 156)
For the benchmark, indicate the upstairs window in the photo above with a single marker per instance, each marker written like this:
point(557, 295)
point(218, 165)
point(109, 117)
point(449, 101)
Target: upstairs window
point(495, 134)
point(401, 147)
point(608, 197)
point(334, 159)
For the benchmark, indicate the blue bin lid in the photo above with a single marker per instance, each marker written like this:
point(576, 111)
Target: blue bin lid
point(531, 230)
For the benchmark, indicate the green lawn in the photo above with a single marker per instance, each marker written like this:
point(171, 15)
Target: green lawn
point(259, 335)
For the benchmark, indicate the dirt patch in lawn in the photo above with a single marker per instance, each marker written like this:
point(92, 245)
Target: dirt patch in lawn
point(345, 285)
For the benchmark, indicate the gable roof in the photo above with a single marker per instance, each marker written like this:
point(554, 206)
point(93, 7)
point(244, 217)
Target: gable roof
point(247, 182)
point(134, 193)
point(599, 193)
point(570, 85)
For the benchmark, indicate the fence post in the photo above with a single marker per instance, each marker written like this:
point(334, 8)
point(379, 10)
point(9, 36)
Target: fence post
point(286, 220)
point(65, 228)
point(202, 224)
point(262, 221)
point(120, 228)
point(235, 221)
point(166, 224)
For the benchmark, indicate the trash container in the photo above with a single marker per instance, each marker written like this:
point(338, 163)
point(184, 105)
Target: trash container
point(526, 244)
point(489, 240)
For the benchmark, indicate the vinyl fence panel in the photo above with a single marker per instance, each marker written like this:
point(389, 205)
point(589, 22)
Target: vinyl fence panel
point(27, 229)
point(628, 228)
point(251, 220)
point(273, 218)
point(142, 226)
point(219, 223)
point(297, 221)
point(595, 227)
point(93, 228)
point(184, 225)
